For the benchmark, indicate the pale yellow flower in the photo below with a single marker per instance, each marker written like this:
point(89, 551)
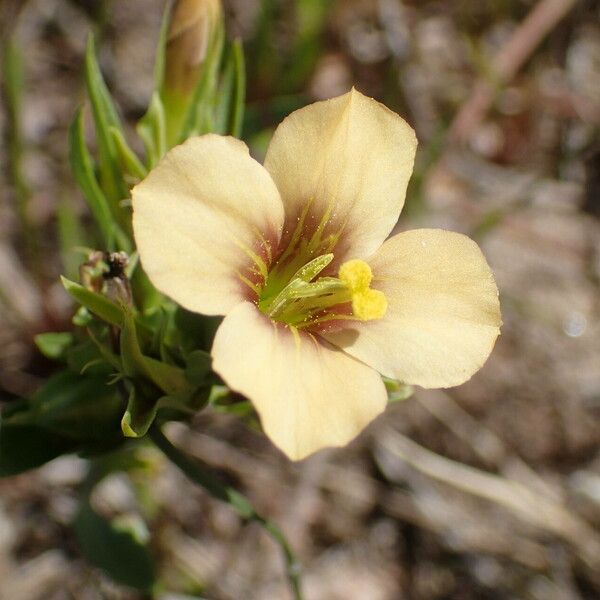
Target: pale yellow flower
point(317, 303)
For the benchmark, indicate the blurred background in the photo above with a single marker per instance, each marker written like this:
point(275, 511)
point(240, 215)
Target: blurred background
point(487, 491)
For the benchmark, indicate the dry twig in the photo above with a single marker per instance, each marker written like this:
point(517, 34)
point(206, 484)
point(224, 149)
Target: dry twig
point(542, 19)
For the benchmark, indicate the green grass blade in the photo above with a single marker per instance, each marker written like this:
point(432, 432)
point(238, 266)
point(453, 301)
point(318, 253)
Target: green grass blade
point(202, 476)
point(152, 130)
point(159, 61)
point(239, 90)
point(105, 115)
point(224, 97)
point(130, 163)
point(12, 68)
point(81, 165)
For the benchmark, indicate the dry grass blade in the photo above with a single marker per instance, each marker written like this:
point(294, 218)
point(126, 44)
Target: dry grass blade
point(537, 25)
point(534, 508)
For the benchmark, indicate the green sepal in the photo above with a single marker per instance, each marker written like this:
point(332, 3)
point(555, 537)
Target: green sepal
point(139, 414)
point(54, 345)
point(397, 391)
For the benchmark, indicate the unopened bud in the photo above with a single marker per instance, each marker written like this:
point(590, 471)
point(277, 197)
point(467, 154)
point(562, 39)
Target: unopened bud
point(191, 31)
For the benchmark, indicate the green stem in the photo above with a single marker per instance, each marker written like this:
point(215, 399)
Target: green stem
point(201, 475)
point(13, 91)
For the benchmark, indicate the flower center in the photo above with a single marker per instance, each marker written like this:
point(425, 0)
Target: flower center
point(307, 299)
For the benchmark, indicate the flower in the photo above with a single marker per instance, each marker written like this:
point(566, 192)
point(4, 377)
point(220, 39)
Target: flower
point(317, 303)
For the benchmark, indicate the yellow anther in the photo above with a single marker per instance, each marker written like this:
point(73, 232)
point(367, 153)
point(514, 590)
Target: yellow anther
point(369, 304)
point(356, 274)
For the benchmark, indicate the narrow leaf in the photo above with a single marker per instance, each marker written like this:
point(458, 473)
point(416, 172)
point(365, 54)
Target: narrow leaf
point(130, 163)
point(224, 97)
point(159, 61)
point(100, 305)
point(81, 165)
point(105, 115)
point(152, 130)
point(239, 92)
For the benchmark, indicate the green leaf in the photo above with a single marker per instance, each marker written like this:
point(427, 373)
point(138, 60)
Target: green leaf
point(152, 130)
point(100, 305)
point(201, 475)
point(79, 407)
point(25, 446)
point(105, 115)
point(224, 97)
point(160, 59)
point(81, 165)
point(195, 331)
point(117, 551)
point(146, 297)
point(86, 358)
point(12, 88)
point(54, 345)
point(69, 413)
point(198, 367)
point(239, 91)
point(70, 235)
point(130, 163)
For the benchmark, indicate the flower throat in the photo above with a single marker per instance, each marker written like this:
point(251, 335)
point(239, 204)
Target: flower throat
point(309, 300)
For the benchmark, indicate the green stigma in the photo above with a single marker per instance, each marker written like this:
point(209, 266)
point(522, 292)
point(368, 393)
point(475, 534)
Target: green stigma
point(308, 299)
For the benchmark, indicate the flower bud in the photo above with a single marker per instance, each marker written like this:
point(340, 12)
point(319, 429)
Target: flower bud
point(191, 32)
point(191, 36)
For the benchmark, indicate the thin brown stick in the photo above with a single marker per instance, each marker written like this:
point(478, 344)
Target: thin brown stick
point(542, 19)
point(525, 503)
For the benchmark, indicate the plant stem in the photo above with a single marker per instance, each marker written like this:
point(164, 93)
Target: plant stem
point(202, 476)
point(12, 91)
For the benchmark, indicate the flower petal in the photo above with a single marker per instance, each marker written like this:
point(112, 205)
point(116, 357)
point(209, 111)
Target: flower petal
point(309, 395)
point(443, 313)
point(352, 158)
point(203, 219)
